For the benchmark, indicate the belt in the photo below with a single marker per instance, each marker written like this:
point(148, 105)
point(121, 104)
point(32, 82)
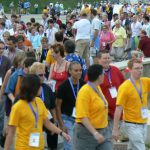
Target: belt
point(85, 127)
point(134, 123)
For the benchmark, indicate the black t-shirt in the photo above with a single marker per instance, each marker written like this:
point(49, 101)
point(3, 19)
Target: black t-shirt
point(65, 93)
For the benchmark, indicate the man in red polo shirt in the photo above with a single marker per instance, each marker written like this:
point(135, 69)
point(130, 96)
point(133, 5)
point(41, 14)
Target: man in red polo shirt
point(144, 43)
point(113, 78)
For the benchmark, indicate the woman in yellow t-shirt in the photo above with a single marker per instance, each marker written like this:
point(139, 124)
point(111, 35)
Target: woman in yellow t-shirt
point(28, 116)
point(92, 114)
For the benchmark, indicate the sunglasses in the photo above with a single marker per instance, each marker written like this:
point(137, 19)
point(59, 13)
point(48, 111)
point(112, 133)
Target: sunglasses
point(41, 75)
point(2, 48)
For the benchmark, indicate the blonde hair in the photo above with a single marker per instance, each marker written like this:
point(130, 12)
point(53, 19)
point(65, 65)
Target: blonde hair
point(36, 66)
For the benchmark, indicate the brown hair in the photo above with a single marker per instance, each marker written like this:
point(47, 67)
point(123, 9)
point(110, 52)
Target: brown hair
point(58, 48)
point(132, 61)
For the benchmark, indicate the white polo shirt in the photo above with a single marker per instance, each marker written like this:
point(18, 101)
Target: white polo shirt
point(83, 27)
point(96, 25)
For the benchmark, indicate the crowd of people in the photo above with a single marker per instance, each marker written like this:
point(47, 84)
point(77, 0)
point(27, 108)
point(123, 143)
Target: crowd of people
point(58, 78)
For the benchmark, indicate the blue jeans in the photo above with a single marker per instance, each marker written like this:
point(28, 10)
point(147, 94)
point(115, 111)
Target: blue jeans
point(69, 123)
point(2, 112)
point(97, 41)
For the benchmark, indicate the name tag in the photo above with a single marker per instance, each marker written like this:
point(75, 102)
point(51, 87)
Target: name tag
point(52, 84)
point(1, 81)
point(74, 112)
point(144, 112)
point(34, 140)
point(103, 44)
point(113, 92)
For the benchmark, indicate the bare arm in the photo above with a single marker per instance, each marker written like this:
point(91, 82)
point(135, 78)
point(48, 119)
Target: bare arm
point(9, 137)
point(117, 116)
point(7, 76)
point(99, 137)
point(11, 97)
point(58, 113)
point(51, 127)
point(50, 74)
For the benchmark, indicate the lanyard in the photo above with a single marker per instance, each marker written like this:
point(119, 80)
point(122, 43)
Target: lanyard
point(45, 52)
point(42, 95)
point(99, 93)
point(1, 60)
point(138, 91)
point(109, 76)
point(11, 58)
point(35, 114)
point(74, 93)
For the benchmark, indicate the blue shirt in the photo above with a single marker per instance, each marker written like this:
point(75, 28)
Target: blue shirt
point(11, 85)
point(74, 57)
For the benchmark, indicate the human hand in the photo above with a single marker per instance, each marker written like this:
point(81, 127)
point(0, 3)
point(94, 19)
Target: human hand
point(99, 137)
point(66, 136)
point(63, 128)
point(115, 134)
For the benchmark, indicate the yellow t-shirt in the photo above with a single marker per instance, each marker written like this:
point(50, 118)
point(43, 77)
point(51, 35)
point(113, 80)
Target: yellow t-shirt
point(49, 58)
point(129, 99)
point(147, 10)
point(23, 119)
point(120, 35)
point(90, 105)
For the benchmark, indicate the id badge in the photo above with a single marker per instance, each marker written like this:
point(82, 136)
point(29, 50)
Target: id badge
point(113, 92)
point(74, 112)
point(49, 115)
point(103, 44)
point(52, 84)
point(144, 112)
point(34, 140)
point(0, 81)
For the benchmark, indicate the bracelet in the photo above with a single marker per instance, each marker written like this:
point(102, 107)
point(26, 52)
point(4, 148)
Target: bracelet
point(61, 133)
point(95, 133)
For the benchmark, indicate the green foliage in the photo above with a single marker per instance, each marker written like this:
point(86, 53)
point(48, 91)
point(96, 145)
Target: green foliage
point(67, 4)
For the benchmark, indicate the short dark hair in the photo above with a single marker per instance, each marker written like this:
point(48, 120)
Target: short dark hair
point(69, 46)
point(29, 87)
point(30, 54)
point(72, 64)
point(13, 39)
point(14, 16)
point(144, 32)
point(29, 61)
point(99, 55)
point(50, 21)
point(146, 18)
point(94, 12)
point(58, 48)
point(59, 36)
point(1, 42)
point(94, 72)
point(2, 23)
point(32, 20)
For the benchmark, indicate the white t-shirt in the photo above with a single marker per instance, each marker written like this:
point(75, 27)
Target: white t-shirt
point(136, 28)
point(50, 33)
point(96, 25)
point(83, 27)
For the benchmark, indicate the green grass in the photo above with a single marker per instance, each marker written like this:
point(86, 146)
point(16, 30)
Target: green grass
point(42, 3)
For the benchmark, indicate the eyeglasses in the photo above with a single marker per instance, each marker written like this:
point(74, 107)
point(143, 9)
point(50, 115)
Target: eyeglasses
point(2, 48)
point(78, 70)
point(138, 69)
point(41, 75)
